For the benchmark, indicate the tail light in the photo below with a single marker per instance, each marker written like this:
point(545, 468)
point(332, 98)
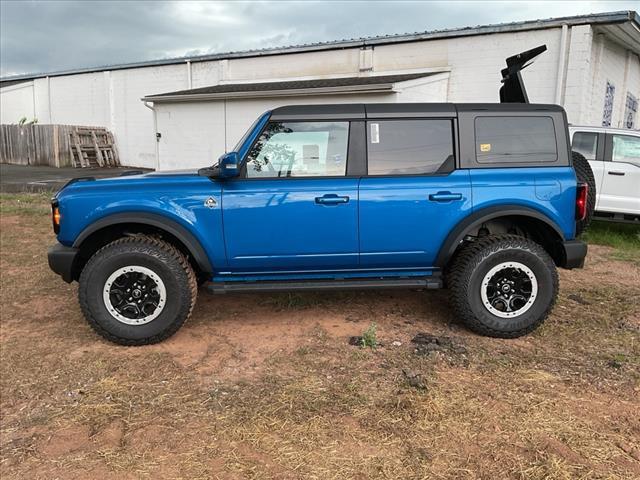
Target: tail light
point(581, 201)
point(55, 216)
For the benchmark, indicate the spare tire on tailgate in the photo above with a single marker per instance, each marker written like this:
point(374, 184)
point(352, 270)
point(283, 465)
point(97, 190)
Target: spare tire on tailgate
point(585, 174)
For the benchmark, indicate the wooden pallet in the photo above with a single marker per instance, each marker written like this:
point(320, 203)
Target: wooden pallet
point(93, 147)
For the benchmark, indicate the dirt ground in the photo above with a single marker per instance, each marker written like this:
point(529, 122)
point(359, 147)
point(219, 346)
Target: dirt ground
point(267, 386)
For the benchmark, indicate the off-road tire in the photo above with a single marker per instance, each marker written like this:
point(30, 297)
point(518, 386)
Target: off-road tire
point(476, 259)
point(157, 255)
point(585, 174)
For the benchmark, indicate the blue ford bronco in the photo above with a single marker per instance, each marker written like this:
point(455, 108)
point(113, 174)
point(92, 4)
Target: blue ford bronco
point(483, 199)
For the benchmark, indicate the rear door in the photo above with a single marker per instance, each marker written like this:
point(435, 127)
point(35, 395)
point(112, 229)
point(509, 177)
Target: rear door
point(294, 208)
point(412, 196)
point(620, 192)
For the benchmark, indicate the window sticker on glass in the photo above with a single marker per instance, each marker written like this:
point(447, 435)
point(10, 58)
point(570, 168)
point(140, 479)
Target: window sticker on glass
point(485, 147)
point(375, 133)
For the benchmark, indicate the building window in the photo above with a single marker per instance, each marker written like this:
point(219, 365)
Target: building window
point(585, 143)
point(515, 140)
point(410, 147)
point(300, 149)
point(630, 110)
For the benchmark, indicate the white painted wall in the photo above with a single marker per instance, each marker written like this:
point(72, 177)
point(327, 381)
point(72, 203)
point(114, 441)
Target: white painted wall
point(112, 98)
point(16, 102)
point(613, 64)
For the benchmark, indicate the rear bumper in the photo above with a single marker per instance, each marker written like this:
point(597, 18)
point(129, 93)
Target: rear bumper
point(62, 260)
point(575, 252)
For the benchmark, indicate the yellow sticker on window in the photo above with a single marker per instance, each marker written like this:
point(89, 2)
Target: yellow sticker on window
point(485, 147)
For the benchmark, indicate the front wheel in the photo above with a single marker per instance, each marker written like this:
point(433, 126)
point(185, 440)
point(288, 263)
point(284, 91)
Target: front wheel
point(137, 290)
point(503, 286)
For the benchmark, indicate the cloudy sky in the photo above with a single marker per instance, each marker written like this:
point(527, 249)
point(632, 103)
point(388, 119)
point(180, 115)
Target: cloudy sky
point(45, 36)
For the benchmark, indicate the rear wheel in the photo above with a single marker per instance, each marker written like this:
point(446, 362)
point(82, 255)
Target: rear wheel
point(503, 286)
point(585, 174)
point(137, 290)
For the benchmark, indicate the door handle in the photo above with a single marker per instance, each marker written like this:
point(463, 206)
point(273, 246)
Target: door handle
point(331, 199)
point(614, 172)
point(445, 197)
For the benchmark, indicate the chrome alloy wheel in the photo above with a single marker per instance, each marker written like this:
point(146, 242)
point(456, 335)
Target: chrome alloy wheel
point(134, 295)
point(509, 289)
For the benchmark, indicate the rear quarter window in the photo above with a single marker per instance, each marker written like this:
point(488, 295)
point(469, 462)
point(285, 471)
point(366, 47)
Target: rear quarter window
point(515, 140)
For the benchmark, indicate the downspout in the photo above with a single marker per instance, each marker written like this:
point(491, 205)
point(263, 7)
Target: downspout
point(562, 64)
point(49, 99)
point(155, 131)
point(189, 80)
point(624, 92)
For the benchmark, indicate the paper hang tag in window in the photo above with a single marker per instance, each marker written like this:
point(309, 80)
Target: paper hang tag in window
point(375, 133)
point(485, 147)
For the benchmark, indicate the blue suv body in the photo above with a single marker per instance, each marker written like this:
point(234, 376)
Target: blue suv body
point(480, 198)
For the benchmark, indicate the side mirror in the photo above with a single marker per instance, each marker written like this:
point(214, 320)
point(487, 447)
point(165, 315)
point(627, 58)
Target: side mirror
point(228, 166)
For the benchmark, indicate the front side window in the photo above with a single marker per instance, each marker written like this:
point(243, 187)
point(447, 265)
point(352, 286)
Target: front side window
point(300, 149)
point(626, 149)
point(585, 143)
point(410, 147)
point(515, 140)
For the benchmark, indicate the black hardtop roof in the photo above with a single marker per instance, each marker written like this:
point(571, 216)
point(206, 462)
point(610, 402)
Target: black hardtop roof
point(399, 110)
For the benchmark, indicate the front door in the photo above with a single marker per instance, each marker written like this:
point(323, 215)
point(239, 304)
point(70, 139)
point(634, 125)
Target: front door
point(293, 209)
point(413, 196)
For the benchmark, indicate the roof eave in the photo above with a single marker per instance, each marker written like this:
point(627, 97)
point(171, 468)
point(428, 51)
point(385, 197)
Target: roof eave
point(293, 92)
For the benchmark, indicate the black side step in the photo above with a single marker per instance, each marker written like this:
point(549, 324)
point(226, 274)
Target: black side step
point(350, 284)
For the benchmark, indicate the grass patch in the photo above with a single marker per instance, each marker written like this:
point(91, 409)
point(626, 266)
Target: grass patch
point(25, 204)
point(625, 238)
point(370, 337)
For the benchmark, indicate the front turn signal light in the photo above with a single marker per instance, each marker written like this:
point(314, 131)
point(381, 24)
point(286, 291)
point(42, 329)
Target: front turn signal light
point(55, 218)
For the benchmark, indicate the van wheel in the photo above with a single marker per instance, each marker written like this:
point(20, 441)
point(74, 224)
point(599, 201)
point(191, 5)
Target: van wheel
point(137, 290)
point(503, 286)
point(585, 174)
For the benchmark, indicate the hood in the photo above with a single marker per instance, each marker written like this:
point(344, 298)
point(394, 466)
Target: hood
point(132, 179)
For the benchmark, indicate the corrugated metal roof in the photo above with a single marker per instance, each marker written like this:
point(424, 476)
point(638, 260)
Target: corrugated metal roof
point(598, 18)
point(269, 87)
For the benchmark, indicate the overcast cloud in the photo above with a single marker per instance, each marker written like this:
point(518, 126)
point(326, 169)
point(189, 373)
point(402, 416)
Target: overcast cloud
point(45, 36)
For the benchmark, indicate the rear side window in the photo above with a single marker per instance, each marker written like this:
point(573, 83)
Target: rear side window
point(515, 140)
point(410, 147)
point(585, 143)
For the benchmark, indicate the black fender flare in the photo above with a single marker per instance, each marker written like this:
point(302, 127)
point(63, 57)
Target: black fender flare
point(484, 215)
point(154, 220)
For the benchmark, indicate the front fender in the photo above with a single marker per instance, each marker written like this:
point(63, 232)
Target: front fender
point(179, 205)
point(161, 222)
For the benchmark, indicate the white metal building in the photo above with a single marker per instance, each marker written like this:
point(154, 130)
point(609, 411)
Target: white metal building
point(185, 112)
